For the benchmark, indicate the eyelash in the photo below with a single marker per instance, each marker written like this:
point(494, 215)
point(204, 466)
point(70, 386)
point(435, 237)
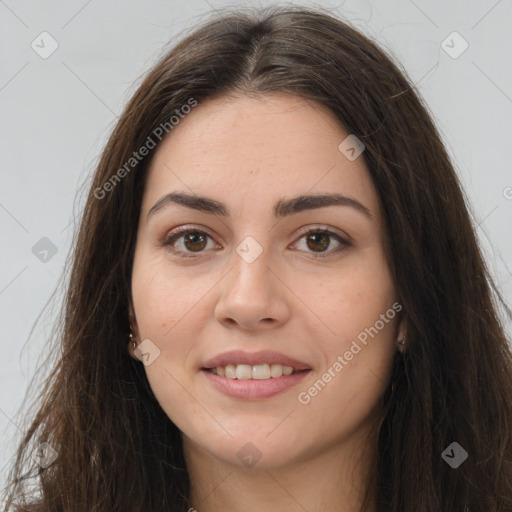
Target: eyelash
point(179, 232)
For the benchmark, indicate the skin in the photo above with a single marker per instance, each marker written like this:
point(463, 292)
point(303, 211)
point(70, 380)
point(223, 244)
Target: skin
point(248, 153)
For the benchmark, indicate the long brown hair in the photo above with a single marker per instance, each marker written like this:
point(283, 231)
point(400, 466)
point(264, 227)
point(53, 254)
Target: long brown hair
point(118, 450)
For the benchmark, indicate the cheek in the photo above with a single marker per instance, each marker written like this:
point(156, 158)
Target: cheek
point(349, 300)
point(163, 295)
point(359, 315)
point(169, 313)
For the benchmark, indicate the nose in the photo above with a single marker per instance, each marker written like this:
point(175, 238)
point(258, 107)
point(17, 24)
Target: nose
point(253, 295)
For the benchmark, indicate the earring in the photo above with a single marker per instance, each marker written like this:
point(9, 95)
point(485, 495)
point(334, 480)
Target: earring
point(401, 344)
point(132, 340)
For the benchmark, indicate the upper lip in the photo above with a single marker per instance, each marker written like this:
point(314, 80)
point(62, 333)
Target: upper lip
point(254, 358)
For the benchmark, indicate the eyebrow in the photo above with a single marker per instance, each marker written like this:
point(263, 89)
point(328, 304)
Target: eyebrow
point(283, 208)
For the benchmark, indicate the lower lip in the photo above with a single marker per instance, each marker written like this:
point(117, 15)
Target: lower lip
point(254, 388)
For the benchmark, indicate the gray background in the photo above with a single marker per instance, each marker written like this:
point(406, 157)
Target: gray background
point(57, 112)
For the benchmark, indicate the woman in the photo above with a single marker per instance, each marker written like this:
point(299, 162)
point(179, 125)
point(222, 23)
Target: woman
point(277, 299)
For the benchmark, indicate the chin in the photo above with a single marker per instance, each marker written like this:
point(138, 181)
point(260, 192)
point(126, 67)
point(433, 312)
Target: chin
point(254, 449)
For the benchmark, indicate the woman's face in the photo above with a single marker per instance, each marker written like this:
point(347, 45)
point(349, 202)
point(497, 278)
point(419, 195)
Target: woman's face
point(252, 278)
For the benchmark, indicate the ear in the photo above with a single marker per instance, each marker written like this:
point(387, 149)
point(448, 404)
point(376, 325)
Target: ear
point(401, 339)
point(134, 329)
point(402, 328)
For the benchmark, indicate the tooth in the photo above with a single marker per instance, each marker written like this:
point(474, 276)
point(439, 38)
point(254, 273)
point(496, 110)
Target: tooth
point(257, 372)
point(261, 371)
point(287, 370)
point(243, 371)
point(230, 371)
point(276, 370)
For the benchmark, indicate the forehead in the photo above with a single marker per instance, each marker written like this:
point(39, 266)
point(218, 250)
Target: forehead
point(246, 149)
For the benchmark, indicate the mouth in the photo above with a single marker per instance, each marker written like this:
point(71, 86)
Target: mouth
point(253, 389)
point(263, 371)
point(262, 365)
point(258, 375)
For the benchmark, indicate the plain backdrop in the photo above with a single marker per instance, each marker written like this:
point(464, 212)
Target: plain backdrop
point(58, 109)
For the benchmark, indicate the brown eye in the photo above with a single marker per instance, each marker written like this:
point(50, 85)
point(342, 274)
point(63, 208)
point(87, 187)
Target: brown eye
point(318, 241)
point(193, 241)
point(184, 242)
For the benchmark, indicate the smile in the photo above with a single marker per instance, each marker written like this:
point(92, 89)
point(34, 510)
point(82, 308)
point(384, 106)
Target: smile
point(251, 388)
point(256, 372)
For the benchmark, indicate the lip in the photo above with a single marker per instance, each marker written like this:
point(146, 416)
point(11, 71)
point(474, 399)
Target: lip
point(253, 358)
point(254, 389)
